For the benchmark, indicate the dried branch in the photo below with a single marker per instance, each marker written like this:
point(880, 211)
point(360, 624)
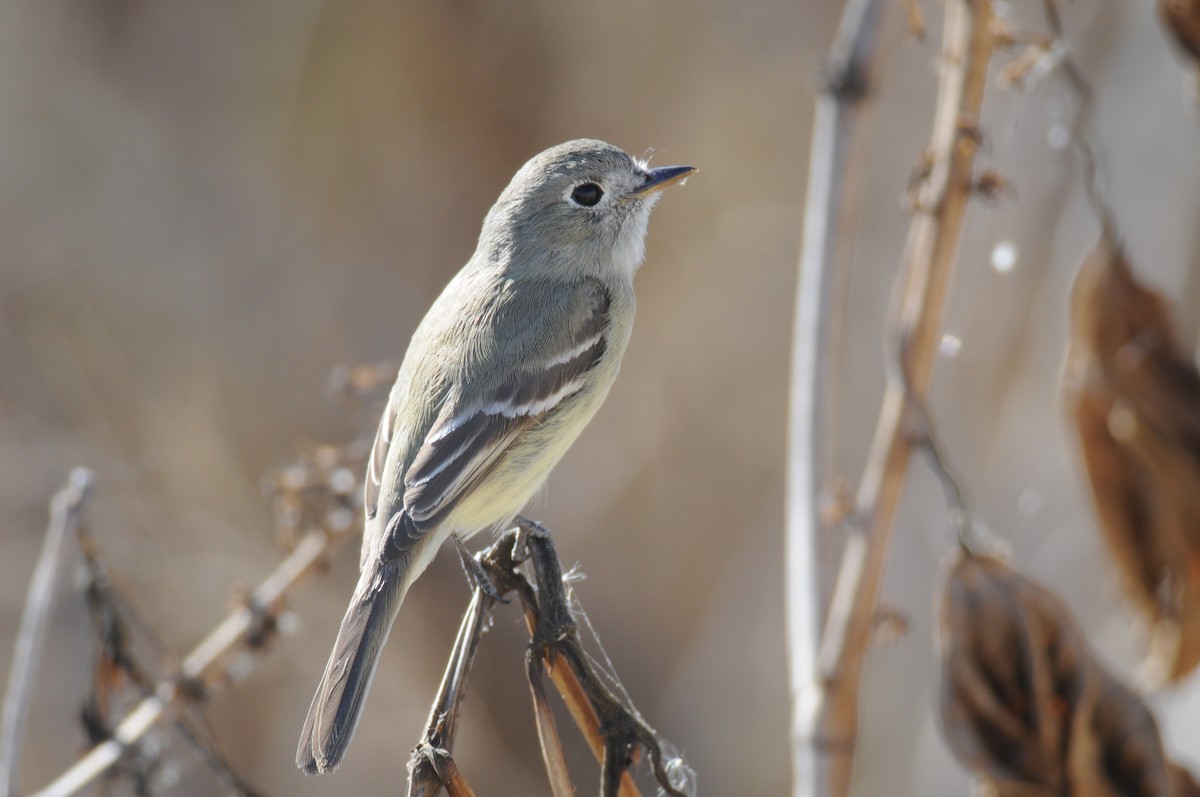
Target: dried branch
point(119, 678)
point(614, 731)
point(427, 767)
point(1081, 132)
point(556, 643)
point(65, 510)
point(206, 666)
point(830, 727)
point(820, 304)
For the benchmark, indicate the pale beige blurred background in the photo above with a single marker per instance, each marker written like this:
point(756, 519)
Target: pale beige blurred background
point(205, 208)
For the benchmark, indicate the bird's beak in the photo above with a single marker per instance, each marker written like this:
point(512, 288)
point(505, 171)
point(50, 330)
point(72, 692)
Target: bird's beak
point(660, 178)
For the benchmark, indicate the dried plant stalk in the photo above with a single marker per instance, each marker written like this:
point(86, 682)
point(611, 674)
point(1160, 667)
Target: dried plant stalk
point(823, 273)
point(65, 519)
point(1134, 396)
point(614, 731)
point(320, 494)
point(1025, 705)
point(430, 764)
point(940, 204)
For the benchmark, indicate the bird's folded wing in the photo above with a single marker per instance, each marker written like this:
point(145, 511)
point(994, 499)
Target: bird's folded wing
point(471, 435)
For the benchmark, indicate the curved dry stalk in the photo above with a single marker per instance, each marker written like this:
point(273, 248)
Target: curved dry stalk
point(65, 509)
point(930, 250)
point(823, 273)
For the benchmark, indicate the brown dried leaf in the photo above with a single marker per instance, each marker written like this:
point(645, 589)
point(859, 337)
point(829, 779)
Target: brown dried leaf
point(1013, 671)
point(1182, 18)
point(1134, 396)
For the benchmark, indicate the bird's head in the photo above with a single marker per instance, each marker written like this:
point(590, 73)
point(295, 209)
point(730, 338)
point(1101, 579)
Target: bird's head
point(578, 208)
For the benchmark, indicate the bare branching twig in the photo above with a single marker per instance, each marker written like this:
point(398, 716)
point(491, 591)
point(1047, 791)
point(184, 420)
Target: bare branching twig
point(827, 722)
point(119, 677)
point(204, 667)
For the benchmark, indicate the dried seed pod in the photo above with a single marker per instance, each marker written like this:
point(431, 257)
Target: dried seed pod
point(1134, 396)
point(1026, 707)
point(1013, 671)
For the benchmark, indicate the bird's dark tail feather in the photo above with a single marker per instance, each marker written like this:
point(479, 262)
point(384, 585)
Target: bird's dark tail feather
point(338, 703)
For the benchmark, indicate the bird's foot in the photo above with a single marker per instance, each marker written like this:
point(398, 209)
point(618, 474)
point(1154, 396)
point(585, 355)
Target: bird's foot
point(476, 573)
point(526, 529)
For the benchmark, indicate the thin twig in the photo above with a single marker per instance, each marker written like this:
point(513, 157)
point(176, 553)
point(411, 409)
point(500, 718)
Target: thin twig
point(65, 509)
point(1081, 131)
point(204, 668)
point(926, 437)
point(427, 770)
point(110, 609)
point(927, 265)
point(820, 303)
point(548, 738)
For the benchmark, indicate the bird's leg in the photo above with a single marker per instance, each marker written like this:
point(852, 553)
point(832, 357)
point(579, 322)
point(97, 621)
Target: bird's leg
point(476, 574)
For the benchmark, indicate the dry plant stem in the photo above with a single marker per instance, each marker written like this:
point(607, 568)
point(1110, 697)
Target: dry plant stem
point(203, 667)
point(824, 270)
point(65, 509)
point(925, 436)
point(1081, 133)
point(554, 638)
point(556, 641)
point(928, 262)
point(551, 743)
point(110, 609)
point(575, 696)
point(428, 768)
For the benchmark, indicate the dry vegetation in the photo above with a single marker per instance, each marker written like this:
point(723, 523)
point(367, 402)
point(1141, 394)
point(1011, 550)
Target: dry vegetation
point(206, 210)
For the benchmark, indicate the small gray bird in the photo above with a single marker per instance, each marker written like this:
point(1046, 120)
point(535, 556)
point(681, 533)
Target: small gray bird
point(507, 367)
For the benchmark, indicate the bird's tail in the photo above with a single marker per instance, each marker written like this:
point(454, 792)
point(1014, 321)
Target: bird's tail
point(338, 703)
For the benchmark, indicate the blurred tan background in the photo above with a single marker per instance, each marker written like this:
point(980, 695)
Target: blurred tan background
point(205, 208)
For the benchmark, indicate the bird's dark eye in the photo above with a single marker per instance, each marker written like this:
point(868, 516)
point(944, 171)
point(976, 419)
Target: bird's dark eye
point(587, 194)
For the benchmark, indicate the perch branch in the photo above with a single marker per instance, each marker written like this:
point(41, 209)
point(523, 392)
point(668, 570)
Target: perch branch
point(942, 197)
point(820, 292)
point(65, 509)
point(430, 766)
point(612, 730)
